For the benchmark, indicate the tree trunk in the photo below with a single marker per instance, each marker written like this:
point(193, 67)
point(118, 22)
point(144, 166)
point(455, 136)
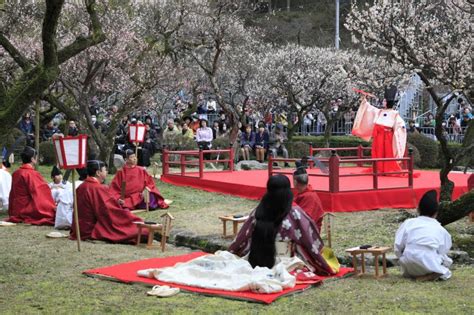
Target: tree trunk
point(452, 211)
point(328, 130)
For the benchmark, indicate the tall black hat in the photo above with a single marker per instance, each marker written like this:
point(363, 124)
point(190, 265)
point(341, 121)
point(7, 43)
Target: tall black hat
point(55, 171)
point(301, 170)
point(390, 95)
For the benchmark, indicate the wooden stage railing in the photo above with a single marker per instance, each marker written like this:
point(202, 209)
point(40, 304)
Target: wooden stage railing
point(334, 165)
point(182, 162)
point(359, 153)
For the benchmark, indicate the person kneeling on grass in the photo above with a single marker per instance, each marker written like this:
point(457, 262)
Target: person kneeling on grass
point(422, 243)
point(276, 228)
point(100, 215)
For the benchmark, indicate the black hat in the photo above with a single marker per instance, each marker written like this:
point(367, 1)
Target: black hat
point(301, 170)
point(55, 171)
point(128, 153)
point(82, 173)
point(390, 95)
point(6, 163)
point(428, 205)
point(27, 154)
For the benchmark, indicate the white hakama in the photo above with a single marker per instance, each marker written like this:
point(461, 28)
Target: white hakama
point(422, 245)
point(63, 197)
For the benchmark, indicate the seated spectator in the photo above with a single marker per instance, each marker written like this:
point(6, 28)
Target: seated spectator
point(422, 243)
point(277, 139)
point(72, 129)
point(49, 131)
point(261, 143)
point(170, 135)
point(223, 131)
point(28, 128)
point(276, 224)
point(247, 142)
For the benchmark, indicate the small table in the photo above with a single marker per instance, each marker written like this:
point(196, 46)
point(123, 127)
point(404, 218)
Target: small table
point(376, 251)
point(235, 222)
point(152, 228)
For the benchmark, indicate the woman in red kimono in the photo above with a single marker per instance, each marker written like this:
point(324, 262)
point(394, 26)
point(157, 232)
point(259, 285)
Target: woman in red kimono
point(30, 199)
point(136, 179)
point(387, 129)
point(276, 221)
point(100, 216)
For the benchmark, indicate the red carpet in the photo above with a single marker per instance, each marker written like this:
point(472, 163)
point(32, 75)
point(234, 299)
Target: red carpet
point(127, 273)
point(353, 195)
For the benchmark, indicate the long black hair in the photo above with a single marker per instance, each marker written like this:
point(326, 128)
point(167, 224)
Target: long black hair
point(273, 208)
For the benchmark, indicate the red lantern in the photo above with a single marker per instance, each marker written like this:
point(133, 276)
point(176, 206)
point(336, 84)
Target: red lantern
point(136, 133)
point(71, 152)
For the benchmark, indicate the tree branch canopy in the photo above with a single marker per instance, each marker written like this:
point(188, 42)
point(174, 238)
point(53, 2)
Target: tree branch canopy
point(17, 56)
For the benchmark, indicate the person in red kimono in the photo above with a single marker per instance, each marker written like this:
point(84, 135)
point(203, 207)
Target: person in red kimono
point(307, 198)
point(100, 216)
point(136, 179)
point(30, 199)
point(385, 127)
point(277, 224)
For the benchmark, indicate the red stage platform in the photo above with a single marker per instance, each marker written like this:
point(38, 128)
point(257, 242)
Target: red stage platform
point(355, 192)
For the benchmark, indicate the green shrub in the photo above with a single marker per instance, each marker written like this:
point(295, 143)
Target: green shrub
point(47, 155)
point(334, 142)
point(297, 149)
point(427, 148)
point(416, 155)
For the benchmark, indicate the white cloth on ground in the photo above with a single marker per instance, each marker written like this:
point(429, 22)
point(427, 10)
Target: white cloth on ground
point(422, 245)
point(5, 187)
point(63, 197)
point(226, 271)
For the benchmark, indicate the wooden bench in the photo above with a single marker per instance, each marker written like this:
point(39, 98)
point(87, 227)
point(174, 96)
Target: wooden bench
point(376, 251)
point(235, 221)
point(160, 228)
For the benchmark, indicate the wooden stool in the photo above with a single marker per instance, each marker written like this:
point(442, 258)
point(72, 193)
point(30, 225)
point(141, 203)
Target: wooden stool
point(235, 222)
point(163, 229)
point(376, 252)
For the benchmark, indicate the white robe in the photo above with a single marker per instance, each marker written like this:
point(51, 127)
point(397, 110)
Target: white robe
point(422, 245)
point(226, 271)
point(63, 197)
point(5, 187)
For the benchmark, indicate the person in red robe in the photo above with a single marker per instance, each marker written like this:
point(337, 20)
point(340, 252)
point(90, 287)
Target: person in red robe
point(385, 127)
point(307, 198)
point(30, 199)
point(100, 216)
point(136, 179)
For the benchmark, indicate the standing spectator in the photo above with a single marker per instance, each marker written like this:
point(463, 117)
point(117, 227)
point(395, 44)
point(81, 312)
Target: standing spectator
point(454, 130)
point(307, 122)
point(321, 123)
point(194, 125)
point(170, 135)
point(211, 106)
point(277, 139)
point(223, 131)
point(204, 136)
point(268, 119)
point(412, 127)
point(247, 142)
point(466, 117)
point(261, 143)
point(202, 110)
point(72, 130)
point(151, 140)
point(186, 132)
point(28, 128)
point(348, 119)
point(215, 130)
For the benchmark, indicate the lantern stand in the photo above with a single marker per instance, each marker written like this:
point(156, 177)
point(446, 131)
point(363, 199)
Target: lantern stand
point(136, 149)
point(79, 161)
point(76, 215)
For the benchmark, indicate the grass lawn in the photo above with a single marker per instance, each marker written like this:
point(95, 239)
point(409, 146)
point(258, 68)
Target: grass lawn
point(41, 275)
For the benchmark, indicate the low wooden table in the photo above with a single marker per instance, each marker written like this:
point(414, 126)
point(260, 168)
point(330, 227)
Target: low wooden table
point(235, 221)
point(161, 228)
point(376, 251)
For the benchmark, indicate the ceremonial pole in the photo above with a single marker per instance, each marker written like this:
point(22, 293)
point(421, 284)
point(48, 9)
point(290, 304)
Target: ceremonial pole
point(76, 215)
